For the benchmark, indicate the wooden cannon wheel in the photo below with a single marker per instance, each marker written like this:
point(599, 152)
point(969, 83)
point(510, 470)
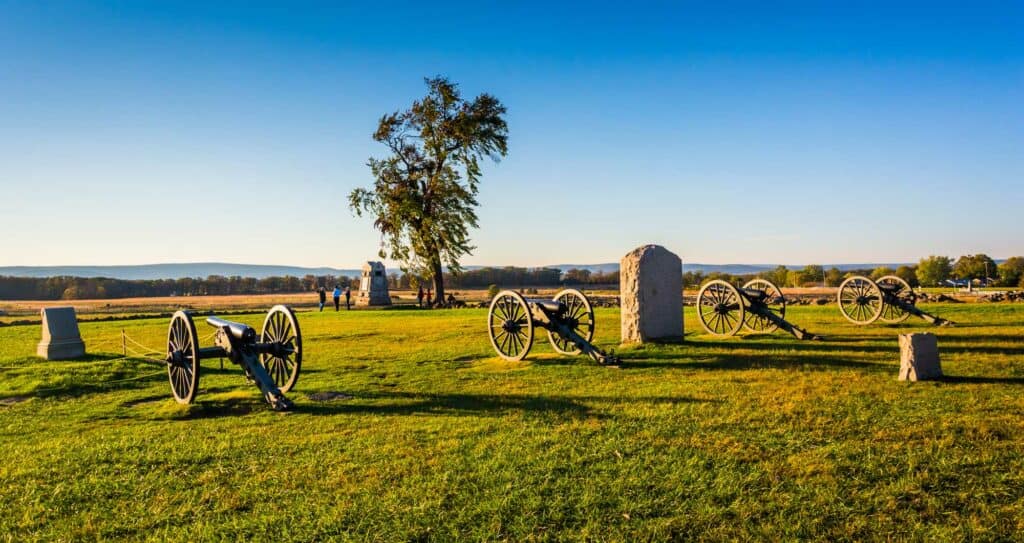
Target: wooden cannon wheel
point(580, 315)
point(284, 359)
point(773, 301)
point(510, 325)
point(183, 357)
point(901, 290)
point(860, 300)
point(720, 308)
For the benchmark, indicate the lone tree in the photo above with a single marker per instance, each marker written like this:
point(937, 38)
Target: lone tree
point(424, 193)
point(933, 270)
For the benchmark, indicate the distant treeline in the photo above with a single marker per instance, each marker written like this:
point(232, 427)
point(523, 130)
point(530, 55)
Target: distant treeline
point(930, 271)
point(511, 276)
point(78, 288)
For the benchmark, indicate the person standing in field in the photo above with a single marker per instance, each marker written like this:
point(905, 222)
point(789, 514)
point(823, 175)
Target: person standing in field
point(419, 296)
point(323, 297)
point(430, 296)
point(337, 297)
point(348, 298)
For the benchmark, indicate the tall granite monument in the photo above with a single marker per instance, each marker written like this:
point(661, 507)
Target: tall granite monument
point(651, 290)
point(373, 285)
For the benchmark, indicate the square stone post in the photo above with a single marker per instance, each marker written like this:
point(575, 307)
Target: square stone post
point(651, 291)
point(61, 339)
point(919, 357)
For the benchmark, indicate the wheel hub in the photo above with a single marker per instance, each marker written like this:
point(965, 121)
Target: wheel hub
point(176, 358)
point(510, 326)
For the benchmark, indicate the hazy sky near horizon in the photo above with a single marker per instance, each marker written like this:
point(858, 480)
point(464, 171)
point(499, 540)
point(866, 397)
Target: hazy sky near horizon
point(144, 132)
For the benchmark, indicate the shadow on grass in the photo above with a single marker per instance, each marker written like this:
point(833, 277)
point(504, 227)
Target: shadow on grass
point(744, 361)
point(970, 380)
point(407, 403)
point(980, 345)
point(415, 402)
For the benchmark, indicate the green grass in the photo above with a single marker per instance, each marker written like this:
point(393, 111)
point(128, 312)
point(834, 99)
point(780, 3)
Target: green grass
point(757, 437)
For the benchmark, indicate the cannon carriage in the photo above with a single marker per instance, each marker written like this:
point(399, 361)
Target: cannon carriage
point(568, 319)
point(272, 360)
point(758, 306)
point(889, 299)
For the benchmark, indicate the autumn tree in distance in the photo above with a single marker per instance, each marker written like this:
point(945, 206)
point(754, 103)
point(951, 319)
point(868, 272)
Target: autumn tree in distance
point(423, 198)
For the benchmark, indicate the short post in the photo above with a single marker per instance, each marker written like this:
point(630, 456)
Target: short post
point(919, 357)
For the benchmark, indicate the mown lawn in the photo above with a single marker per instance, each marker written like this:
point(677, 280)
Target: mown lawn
point(760, 437)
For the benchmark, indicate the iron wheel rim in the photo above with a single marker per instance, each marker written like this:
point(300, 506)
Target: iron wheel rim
point(893, 314)
point(510, 325)
point(720, 308)
point(183, 358)
point(860, 300)
point(281, 328)
point(579, 309)
point(774, 301)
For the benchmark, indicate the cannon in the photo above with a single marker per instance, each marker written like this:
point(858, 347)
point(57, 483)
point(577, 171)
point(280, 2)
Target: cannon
point(758, 306)
point(271, 360)
point(568, 319)
point(890, 299)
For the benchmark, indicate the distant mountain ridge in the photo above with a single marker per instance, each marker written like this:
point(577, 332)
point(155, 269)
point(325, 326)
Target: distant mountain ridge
point(205, 269)
point(171, 271)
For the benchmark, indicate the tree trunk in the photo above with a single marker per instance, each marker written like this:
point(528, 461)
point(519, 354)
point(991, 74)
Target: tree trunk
point(438, 271)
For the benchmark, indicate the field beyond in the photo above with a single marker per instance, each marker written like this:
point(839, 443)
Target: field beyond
point(432, 437)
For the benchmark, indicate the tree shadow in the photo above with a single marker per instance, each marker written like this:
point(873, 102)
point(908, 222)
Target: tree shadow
point(418, 403)
point(738, 361)
point(975, 380)
point(78, 389)
point(408, 403)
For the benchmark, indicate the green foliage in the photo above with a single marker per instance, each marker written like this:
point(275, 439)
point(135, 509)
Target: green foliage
point(759, 438)
point(779, 276)
point(693, 279)
point(833, 277)
point(492, 291)
point(1011, 272)
point(797, 278)
point(908, 274)
point(577, 276)
point(933, 270)
point(882, 271)
point(423, 198)
point(814, 273)
point(978, 266)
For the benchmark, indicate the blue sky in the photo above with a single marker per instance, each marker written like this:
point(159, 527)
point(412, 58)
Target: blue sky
point(143, 132)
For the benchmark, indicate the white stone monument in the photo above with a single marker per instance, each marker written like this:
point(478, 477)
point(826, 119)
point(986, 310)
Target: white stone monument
point(651, 290)
point(373, 285)
point(919, 357)
point(61, 339)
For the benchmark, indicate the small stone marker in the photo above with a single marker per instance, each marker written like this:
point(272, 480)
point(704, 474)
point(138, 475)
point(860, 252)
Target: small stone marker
point(919, 357)
point(373, 285)
point(61, 339)
point(651, 290)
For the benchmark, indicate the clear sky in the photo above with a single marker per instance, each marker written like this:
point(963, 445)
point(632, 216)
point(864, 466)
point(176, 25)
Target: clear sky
point(142, 132)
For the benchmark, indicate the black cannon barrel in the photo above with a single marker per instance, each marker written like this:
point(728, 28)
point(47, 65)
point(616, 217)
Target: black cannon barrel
point(237, 329)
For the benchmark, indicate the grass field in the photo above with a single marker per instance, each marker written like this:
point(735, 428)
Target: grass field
point(757, 437)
